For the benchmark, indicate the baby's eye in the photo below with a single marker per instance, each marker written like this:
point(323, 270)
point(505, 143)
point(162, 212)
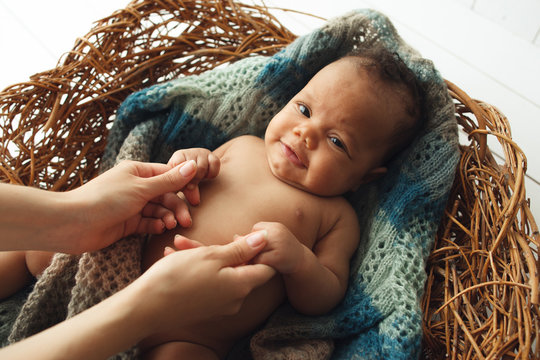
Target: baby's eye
point(337, 142)
point(304, 110)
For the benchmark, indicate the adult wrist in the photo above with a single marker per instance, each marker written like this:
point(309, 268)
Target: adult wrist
point(134, 311)
point(75, 215)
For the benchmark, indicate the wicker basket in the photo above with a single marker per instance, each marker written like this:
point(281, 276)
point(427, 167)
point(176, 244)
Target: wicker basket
point(481, 299)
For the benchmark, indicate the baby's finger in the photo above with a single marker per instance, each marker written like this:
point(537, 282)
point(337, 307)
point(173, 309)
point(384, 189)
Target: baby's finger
point(149, 226)
point(178, 206)
point(214, 165)
point(202, 167)
point(177, 158)
point(192, 194)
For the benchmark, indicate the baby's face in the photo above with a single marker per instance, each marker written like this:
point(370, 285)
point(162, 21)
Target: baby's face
point(331, 137)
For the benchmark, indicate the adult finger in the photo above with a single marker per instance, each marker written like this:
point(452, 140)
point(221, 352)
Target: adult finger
point(183, 243)
point(171, 180)
point(242, 249)
point(252, 275)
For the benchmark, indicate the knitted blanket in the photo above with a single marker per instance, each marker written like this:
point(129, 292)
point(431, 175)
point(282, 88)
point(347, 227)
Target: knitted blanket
point(380, 317)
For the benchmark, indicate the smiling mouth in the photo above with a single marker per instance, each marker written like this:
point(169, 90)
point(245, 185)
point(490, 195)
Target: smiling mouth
point(292, 156)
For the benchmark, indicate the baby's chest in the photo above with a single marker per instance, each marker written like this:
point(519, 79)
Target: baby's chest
point(227, 210)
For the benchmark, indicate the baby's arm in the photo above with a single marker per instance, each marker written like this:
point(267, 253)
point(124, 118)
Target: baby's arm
point(316, 280)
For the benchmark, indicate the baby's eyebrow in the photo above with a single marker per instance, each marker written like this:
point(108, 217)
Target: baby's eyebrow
point(306, 94)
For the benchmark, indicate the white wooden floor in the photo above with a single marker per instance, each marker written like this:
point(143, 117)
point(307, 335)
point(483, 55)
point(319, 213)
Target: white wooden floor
point(491, 49)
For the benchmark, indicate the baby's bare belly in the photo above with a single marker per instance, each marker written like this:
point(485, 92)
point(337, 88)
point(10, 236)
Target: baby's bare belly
point(217, 224)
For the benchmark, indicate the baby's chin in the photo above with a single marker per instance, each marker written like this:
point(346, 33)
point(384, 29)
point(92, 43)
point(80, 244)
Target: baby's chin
point(289, 181)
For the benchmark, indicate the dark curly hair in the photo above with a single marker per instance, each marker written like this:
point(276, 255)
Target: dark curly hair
point(393, 72)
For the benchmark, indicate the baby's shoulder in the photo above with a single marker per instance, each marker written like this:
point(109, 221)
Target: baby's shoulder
point(247, 140)
point(339, 204)
point(242, 143)
point(338, 211)
point(339, 227)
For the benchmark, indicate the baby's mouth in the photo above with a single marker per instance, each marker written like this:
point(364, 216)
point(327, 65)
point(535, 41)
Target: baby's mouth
point(292, 155)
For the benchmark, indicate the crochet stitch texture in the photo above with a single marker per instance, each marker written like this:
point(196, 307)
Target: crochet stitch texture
point(380, 317)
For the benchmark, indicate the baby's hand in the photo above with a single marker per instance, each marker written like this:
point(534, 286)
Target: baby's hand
point(283, 251)
point(208, 166)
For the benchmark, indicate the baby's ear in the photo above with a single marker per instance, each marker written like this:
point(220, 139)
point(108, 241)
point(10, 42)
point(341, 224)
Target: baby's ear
point(374, 174)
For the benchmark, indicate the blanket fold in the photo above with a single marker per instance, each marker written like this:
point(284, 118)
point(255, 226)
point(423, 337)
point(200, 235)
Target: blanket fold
point(380, 317)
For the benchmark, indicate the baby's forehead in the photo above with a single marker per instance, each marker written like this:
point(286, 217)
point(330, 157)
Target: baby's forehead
point(335, 78)
point(356, 92)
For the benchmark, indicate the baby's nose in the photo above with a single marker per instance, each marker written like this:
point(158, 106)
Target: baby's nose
point(306, 136)
point(309, 143)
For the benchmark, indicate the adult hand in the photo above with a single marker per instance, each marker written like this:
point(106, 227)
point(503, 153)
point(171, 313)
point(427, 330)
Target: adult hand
point(132, 197)
point(200, 282)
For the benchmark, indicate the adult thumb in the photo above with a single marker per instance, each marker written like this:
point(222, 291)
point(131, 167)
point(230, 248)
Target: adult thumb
point(243, 249)
point(238, 254)
point(172, 180)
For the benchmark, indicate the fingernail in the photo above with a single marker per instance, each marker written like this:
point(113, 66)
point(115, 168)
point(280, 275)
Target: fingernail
point(188, 168)
point(257, 238)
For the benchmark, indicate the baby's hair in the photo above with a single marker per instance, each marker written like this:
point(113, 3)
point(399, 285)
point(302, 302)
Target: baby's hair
point(392, 71)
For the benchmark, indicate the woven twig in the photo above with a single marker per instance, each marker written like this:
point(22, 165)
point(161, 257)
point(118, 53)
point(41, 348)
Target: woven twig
point(54, 126)
point(481, 299)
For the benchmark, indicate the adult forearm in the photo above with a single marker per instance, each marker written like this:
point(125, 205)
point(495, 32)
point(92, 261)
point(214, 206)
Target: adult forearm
point(30, 218)
point(104, 330)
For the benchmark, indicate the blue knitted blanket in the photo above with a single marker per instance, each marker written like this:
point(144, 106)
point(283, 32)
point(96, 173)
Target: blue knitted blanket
point(380, 317)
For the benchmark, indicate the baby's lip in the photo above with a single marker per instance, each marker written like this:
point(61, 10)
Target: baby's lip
point(293, 155)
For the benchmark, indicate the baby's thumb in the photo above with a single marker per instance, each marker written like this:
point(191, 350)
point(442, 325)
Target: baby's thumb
point(172, 180)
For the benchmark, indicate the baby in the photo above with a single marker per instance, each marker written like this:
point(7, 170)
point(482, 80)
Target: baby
point(334, 135)
point(337, 133)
